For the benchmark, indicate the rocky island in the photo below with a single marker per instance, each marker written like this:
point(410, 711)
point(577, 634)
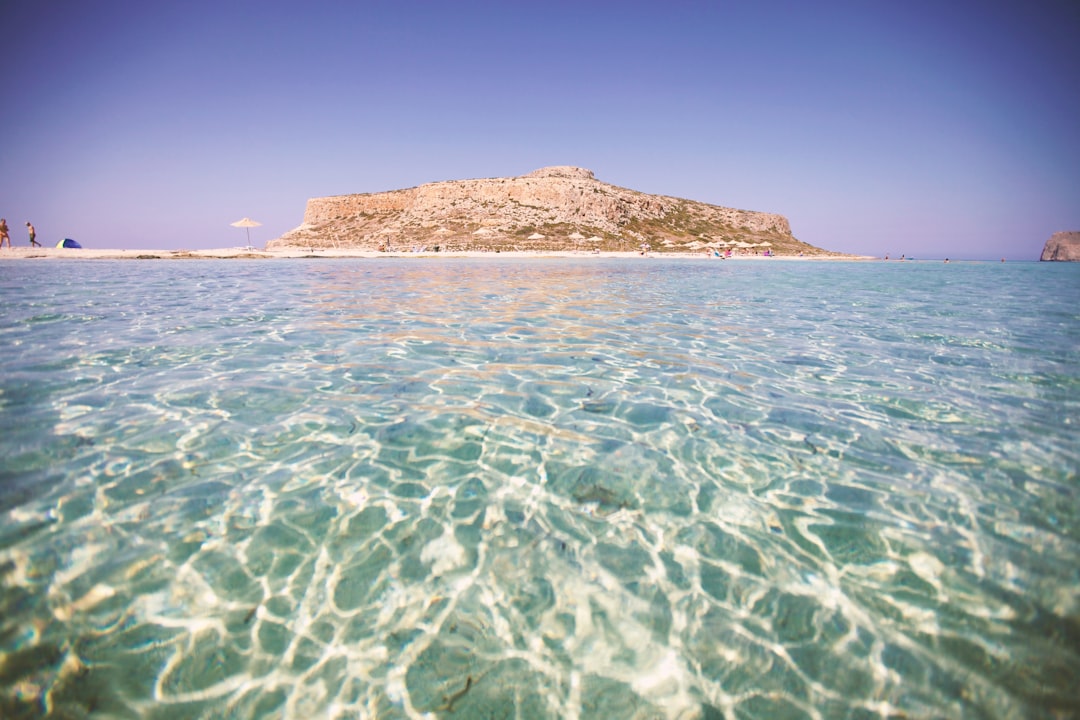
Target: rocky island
point(551, 209)
point(1062, 246)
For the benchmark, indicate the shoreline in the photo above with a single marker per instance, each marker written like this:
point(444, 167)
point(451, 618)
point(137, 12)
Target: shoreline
point(243, 253)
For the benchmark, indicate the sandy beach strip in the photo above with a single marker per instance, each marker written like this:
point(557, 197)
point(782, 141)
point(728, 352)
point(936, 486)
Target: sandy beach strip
point(54, 253)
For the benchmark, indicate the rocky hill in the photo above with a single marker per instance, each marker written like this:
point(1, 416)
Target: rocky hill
point(554, 208)
point(1062, 246)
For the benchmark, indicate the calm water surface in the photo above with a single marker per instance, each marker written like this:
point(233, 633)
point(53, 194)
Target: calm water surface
point(540, 489)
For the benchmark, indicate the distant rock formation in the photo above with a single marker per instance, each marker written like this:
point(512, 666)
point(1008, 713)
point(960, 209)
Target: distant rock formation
point(1063, 246)
point(554, 208)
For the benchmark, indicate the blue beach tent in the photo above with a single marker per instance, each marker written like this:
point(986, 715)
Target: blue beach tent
point(68, 243)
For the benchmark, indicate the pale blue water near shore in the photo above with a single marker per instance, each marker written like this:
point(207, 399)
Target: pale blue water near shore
point(542, 489)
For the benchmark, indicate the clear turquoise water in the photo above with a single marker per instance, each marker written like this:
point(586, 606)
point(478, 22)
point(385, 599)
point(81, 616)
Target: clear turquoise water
point(539, 489)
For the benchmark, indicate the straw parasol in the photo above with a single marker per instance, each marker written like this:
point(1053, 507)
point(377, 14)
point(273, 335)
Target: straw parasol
point(247, 223)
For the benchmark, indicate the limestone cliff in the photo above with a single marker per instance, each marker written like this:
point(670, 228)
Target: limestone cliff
point(1062, 246)
point(552, 208)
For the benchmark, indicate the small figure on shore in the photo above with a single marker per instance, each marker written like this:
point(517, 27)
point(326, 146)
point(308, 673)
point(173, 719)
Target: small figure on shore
point(4, 233)
point(33, 235)
point(946, 259)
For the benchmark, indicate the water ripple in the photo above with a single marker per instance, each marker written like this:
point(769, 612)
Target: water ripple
point(547, 489)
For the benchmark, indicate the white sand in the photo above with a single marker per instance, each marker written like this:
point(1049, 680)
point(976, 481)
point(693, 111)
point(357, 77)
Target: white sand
point(27, 253)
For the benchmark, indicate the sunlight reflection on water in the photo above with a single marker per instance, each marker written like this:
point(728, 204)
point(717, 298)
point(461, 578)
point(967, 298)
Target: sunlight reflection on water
point(568, 488)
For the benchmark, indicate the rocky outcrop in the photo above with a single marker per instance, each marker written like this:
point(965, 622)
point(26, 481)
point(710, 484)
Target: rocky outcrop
point(553, 208)
point(1063, 246)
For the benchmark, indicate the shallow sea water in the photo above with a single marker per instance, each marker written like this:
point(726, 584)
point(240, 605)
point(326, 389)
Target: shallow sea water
point(571, 488)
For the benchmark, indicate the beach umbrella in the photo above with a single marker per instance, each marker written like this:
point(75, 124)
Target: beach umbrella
point(68, 243)
point(247, 223)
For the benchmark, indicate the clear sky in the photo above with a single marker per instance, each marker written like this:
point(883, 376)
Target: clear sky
point(928, 127)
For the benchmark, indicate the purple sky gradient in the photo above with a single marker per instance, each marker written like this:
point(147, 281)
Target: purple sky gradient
point(921, 127)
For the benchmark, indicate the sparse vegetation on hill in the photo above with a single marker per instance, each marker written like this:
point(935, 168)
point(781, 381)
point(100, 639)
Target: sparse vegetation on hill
point(552, 209)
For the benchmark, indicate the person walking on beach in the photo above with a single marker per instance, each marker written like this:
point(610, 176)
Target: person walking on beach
point(4, 233)
point(33, 235)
